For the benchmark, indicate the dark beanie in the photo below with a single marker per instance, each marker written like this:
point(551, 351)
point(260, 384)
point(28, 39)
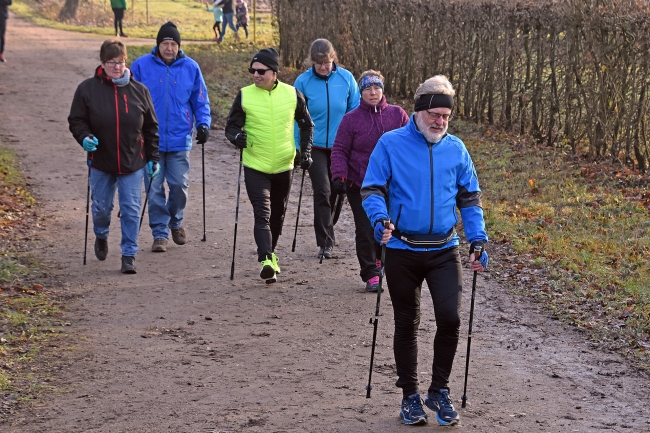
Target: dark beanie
point(168, 31)
point(268, 57)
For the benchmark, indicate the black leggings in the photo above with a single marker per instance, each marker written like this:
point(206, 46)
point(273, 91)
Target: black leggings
point(3, 29)
point(119, 16)
point(268, 194)
point(217, 26)
point(405, 271)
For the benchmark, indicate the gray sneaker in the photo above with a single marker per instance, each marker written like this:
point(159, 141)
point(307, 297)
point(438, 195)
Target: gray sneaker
point(325, 252)
point(178, 236)
point(159, 245)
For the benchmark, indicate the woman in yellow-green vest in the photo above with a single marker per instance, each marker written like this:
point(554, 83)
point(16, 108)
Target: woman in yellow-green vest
point(261, 124)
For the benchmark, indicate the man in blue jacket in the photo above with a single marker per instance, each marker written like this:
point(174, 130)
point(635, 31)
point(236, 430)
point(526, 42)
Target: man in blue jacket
point(180, 98)
point(417, 178)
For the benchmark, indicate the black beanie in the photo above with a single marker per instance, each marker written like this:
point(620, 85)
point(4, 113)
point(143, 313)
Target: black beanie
point(268, 57)
point(168, 31)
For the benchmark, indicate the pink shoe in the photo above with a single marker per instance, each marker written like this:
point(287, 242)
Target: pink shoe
point(372, 284)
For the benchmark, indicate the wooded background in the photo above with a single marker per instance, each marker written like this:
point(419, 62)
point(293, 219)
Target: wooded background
point(573, 74)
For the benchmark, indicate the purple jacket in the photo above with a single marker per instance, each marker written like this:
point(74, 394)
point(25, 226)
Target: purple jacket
point(357, 136)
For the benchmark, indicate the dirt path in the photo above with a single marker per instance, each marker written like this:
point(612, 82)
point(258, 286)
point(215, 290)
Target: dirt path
point(181, 348)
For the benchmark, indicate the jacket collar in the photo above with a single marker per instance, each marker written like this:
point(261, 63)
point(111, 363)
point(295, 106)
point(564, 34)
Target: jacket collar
point(369, 107)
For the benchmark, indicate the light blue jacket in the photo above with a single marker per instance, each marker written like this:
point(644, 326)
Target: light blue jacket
point(328, 99)
point(179, 96)
point(218, 13)
point(419, 186)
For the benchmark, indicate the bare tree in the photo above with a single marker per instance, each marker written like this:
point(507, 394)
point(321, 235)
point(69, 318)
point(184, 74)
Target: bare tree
point(69, 10)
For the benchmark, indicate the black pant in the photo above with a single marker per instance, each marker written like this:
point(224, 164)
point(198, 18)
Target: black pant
point(3, 29)
point(217, 26)
point(405, 271)
point(245, 26)
point(363, 236)
point(119, 16)
point(321, 183)
point(268, 194)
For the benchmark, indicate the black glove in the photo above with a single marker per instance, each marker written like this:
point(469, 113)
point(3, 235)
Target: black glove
point(306, 160)
point(202, 133)
point(339, 186)
point(478, 247)
point(240, 140)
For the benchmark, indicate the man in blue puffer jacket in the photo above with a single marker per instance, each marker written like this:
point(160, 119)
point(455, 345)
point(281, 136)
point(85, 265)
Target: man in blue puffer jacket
point(180, 98)
point(417, 178)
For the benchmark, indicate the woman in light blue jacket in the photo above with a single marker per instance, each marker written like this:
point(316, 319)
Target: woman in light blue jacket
point(330, 91)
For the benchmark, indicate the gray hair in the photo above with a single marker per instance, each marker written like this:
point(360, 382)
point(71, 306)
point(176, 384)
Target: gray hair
point(438, 85)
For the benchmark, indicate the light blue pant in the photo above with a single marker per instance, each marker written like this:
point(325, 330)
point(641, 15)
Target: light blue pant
point(228, 21)
point(129, 193)
point(167, 213)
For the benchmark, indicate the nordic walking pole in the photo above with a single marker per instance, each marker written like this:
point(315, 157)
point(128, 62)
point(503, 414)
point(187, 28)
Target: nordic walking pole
point(477, 253)
point(87, 207)
point(295, 233)
point(376, 321)
point(144, 208)
point(234, 240)
point(203, 172)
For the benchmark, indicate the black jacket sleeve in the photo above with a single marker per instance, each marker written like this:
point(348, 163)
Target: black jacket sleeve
point(78, 120)
point(150, 130)
point(236, 119)
point(305, 123)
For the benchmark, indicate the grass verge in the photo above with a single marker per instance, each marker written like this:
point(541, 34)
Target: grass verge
point(30, 315)
point(143, 19)
point(578, 233)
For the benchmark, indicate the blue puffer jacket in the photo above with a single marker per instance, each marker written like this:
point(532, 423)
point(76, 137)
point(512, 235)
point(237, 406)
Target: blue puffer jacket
point(179, 95)
point(423, 185)
point(328, 99)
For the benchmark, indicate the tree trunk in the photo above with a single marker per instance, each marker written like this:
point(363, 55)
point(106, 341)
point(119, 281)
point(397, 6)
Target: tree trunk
point(69, 10)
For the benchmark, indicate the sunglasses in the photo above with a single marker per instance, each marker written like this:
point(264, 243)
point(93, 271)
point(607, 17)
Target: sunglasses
point(259, 71)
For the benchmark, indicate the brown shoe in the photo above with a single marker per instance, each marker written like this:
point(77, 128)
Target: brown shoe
point(159, 245)
point(178, 236)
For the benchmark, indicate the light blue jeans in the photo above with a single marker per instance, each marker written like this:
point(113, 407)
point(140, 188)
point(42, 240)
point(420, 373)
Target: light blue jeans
point(228, 21)
point(167, 213)
point(129, 193)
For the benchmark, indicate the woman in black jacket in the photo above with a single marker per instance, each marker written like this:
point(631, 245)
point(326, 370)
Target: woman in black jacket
point(113, 118)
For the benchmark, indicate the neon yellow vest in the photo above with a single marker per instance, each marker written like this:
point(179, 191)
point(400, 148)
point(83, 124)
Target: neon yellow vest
point(269, 127)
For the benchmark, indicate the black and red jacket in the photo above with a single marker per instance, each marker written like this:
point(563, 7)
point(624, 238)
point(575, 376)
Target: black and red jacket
point(123, 120)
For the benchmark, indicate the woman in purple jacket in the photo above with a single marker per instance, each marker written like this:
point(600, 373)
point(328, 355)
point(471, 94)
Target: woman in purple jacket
point(355, 140)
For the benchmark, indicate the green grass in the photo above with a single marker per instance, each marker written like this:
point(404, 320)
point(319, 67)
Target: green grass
point(28, 311)
point(193, 20)
point(581, 224)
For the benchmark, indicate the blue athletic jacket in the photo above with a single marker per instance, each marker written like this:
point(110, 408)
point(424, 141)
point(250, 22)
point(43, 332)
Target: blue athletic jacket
point(423, 185)
point(179, 96)
point(328, 99)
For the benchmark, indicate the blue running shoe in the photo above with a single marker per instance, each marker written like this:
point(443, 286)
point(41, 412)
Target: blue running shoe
point(412, 412)
point(440, 402)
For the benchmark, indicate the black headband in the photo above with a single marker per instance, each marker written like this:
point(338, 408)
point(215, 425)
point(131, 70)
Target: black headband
point(424, 102)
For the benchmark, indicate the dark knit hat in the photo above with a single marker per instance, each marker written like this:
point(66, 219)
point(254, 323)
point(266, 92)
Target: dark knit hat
point(168, 31)
point(268, 57)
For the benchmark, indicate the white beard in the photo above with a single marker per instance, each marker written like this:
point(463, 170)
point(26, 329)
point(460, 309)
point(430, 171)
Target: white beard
point(429, 135)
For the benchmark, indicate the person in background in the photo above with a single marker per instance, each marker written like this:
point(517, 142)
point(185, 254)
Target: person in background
point(417, 179)
point(118, 6)
point(218, 17)
point(180, 97)
point(228, 18)
point(355, 140)
point(4, 15)
point(330, 91)
point(268, 150)
point(112, 117)
point(241, 11)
